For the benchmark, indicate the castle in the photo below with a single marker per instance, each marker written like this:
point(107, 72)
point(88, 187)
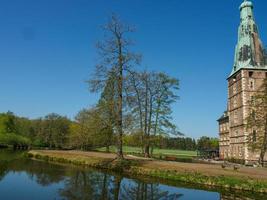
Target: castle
point(249, 71)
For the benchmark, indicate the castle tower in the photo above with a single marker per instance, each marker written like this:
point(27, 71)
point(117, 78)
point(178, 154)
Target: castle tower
point(248, 73)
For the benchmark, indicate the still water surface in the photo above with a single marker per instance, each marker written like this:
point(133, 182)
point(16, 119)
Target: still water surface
point(25, 179)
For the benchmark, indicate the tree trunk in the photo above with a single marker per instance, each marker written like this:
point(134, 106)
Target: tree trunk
point(147, 154)
point(156, 124)
point(140, 113)
point(146, 149)
point(120, 99)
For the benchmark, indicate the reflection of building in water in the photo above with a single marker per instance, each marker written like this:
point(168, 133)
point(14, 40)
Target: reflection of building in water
point(249, 71)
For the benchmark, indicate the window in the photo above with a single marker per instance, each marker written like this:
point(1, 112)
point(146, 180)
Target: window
point(251, 84)
point(250, 74)
point(254, 136)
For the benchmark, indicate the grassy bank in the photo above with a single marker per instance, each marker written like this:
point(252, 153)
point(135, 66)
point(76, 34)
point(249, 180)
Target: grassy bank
point(244, 179)
point(156, 152)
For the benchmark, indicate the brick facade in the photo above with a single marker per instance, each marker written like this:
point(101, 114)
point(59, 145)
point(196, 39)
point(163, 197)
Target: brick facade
point(232, 125)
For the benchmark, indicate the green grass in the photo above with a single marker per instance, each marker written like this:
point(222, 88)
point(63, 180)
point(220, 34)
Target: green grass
point(165, 152)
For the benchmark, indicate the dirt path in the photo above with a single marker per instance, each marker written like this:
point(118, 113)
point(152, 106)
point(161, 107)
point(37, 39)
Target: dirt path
point(206, 169)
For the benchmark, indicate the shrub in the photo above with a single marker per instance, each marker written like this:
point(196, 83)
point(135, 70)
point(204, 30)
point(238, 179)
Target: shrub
point(237, 161)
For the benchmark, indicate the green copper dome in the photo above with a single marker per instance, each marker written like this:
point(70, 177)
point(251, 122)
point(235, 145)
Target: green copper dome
point(246, 4)
point(249, 51)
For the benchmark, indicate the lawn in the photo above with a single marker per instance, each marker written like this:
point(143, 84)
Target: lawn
point(168, 152)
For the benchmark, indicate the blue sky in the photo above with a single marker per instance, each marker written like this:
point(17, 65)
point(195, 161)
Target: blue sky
point(47, 51)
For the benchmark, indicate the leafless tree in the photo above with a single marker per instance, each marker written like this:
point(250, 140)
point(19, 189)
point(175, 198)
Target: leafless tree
point(150, 96)
point(116, 59)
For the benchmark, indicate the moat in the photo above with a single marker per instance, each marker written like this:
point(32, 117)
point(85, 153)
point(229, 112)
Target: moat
point(24, 179)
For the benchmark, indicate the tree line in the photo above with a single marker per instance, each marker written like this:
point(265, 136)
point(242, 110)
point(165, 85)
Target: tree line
point(51, 131)
point(86, 132)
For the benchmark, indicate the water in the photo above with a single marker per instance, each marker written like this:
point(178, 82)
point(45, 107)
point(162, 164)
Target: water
point(25, 179)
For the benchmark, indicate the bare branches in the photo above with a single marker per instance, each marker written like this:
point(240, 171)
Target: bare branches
point(141, 100)
point(115, 58)
point(149, 96)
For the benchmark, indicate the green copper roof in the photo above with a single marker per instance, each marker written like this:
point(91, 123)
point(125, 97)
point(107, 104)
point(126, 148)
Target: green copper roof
point(246, 4)
point(249, 52)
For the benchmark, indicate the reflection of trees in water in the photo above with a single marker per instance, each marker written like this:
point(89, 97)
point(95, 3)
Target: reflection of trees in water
point(45, 174)
point(3, 169)
point(7, 156)
point(41, 172)
point(77, 187)
point(100, 186)
point(136, 190)
point(10, 155)
point(88, 185)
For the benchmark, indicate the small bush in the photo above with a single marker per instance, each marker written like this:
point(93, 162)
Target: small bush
point(237, 161)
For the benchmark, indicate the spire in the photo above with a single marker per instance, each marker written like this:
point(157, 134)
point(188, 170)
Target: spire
point(249, 52)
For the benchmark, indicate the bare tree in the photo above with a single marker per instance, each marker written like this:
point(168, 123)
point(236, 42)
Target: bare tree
point(115, 60)
point(257, 122)
point(150, 96)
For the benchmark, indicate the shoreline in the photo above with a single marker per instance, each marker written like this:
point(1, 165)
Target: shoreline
point(165, 170)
